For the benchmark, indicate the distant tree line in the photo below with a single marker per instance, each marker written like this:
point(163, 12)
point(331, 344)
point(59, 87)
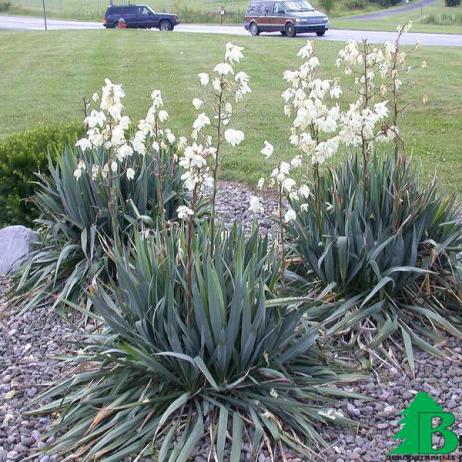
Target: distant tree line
point(5, 6)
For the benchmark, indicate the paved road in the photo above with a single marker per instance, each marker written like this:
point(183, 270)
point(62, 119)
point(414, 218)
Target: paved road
point(337, 35)
point(30, 23)
point(392, 11)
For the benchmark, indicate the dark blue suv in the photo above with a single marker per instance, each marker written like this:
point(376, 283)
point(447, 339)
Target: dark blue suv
point(139, 17)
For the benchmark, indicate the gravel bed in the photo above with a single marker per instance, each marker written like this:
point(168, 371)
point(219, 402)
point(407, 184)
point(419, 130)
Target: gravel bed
point(233, 202)
point(28, 345)
point(30, 342)
point(389, 393)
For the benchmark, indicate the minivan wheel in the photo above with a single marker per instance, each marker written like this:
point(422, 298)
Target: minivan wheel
point(254, 29)
point(320, 33)
point(166, 26)
point(290, 30)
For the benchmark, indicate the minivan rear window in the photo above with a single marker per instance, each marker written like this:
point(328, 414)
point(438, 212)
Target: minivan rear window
point(267, 8)
point(260, 8)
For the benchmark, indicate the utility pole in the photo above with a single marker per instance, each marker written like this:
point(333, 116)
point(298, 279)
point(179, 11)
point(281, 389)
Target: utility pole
point(44, 15)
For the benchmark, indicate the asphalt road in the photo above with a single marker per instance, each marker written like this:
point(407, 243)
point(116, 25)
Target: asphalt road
point(32, 23)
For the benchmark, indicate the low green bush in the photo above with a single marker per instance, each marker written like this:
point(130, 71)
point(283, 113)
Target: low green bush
point(228, 372)
point(387, 248)
point(443, 19)
point(386, 3)
point(22, 155)
point(355, 4)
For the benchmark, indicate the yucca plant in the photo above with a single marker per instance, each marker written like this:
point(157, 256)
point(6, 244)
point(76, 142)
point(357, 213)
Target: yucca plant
point(161, 380)
point(76, 224)
point(386, 252)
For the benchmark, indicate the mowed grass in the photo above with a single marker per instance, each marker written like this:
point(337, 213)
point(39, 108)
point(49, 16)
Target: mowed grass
point(433, 18)
point(46, 75)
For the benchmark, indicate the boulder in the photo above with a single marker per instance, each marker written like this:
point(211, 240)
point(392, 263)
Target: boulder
point(15, 247)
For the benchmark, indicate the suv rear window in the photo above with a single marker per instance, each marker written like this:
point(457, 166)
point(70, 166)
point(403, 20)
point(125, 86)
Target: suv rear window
point(143, 11)
point(132, 9)
point(119, 10)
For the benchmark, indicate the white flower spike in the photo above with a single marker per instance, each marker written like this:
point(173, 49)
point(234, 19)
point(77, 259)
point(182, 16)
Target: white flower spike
point(184, 212)
point(256, 205)
point(130, 173)
point(84, 144)
point(268, 150)
point(197, 103)
point(204, 79)
point(290, 215)
point(234, 137)
point(233, 53)
point(223, 69)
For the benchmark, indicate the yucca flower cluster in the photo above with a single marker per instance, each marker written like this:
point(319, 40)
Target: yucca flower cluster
point(313, 101)
point(321, 127)
point(211, 129)
point(108, 129)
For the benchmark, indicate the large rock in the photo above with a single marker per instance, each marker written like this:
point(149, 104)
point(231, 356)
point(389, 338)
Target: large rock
point(15, 247)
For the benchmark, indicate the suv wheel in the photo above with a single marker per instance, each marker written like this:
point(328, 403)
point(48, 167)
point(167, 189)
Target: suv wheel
point(320, 33)
point(254, 29)
point(290, 30)
point(165, 26)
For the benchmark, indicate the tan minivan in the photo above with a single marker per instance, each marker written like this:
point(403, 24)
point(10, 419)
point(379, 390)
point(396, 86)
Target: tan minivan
point(289, 17)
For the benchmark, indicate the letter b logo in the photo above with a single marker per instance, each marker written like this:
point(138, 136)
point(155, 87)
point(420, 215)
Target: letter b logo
point(417, 428)
point(426, 431)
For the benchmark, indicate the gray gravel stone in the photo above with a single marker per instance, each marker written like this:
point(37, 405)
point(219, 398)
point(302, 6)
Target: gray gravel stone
point(233, 202)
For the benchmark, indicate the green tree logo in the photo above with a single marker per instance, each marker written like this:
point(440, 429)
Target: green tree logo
point(417, 428)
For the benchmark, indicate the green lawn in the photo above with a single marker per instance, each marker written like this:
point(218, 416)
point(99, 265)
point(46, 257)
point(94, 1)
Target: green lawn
point(45, 76)
point(434, 18)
